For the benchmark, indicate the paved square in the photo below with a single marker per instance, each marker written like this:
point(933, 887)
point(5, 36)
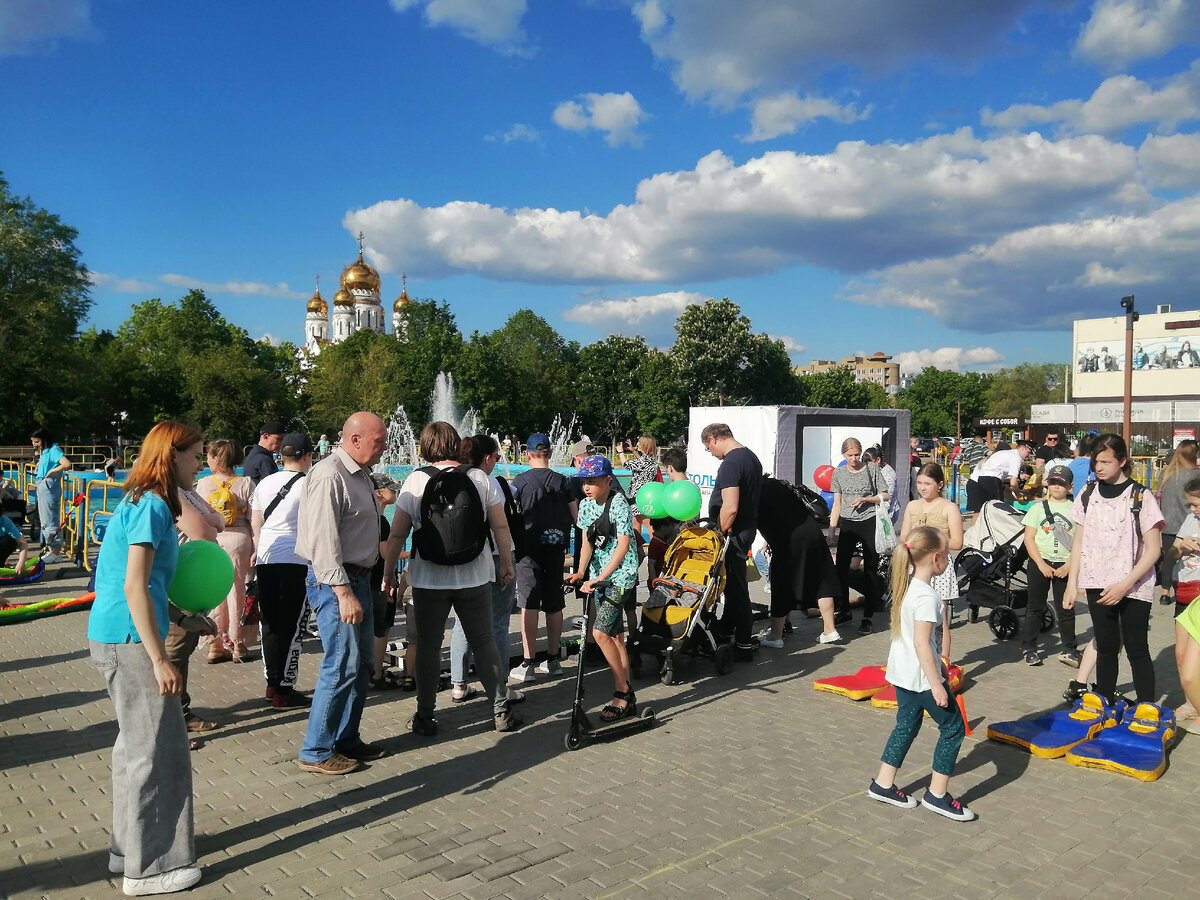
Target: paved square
point(751, 785)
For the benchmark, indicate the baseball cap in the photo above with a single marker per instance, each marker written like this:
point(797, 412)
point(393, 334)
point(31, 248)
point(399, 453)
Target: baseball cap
point(579, 448)
point(294, 445)
point(272, 427)
point(537, 442)
point(384, 482)
point(594, 467)
point(1060, 475)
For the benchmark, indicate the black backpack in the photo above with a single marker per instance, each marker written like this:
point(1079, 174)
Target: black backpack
point(547, 507)
point(516, 521)
point(813, 502)
point(454, 529)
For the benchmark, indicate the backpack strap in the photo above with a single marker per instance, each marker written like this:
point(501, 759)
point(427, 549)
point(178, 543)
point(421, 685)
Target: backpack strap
point(511, 508)
point(283, 492)
point(1087, 494)
point(1049, 515)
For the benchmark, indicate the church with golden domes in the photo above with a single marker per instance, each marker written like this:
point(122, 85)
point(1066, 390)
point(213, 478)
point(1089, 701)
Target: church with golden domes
point(356, 306)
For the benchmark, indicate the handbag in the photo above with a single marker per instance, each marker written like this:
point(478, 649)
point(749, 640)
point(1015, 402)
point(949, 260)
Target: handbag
point(885, 532)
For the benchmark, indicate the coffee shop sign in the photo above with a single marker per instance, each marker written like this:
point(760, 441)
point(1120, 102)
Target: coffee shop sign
point(1006, 422)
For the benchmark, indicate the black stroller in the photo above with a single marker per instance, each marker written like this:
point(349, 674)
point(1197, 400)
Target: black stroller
point(991, 569)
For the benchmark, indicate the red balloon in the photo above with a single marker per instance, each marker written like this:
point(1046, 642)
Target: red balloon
point(823, 477)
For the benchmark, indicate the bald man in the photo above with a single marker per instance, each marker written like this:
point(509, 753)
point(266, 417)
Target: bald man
point(338, 533)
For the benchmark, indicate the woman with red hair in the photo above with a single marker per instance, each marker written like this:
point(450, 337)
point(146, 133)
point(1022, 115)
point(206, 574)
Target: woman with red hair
point(153, 842)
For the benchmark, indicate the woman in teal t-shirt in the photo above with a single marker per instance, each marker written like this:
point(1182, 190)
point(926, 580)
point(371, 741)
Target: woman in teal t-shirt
point(51, 465)
point(153, 842)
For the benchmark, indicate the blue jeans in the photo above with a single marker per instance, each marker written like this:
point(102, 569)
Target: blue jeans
point(343, 678)
point(49, 503)
point(502, 604)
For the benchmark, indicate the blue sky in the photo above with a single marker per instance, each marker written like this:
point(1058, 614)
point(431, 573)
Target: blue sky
point(949, 182)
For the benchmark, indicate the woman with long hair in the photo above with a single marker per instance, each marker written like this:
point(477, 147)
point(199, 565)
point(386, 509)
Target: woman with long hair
point(1172, 497)
point(153, 842)
point(230, 494)
point(1118, 533)
point(859, 492)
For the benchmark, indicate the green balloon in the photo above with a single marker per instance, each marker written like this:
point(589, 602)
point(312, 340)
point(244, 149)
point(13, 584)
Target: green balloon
point(682, 500)
point(203, 577)
point(649, 500)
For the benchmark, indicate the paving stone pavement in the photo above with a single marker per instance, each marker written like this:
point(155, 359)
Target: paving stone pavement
point(751, 785)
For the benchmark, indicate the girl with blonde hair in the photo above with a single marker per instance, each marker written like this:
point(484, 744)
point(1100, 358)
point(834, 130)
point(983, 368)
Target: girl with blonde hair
point(920, 677)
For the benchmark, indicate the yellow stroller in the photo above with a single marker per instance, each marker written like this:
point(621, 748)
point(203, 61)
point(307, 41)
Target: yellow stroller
point(681, 613)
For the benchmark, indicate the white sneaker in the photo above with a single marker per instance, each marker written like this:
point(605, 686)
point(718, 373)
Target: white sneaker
point(764, 640)
point(116, 864)
point(515, 696)
point(549, 666)
point(832, 638)
point(166, 883)
point(523, 673)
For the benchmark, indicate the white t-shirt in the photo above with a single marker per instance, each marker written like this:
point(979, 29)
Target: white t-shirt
point(425, 574)
point(921, 604)
point(1001, 464)
point(1187, 568)
point(277, 540)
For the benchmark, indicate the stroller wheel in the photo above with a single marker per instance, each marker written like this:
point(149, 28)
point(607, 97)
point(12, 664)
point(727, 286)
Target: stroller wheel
point(724, 659)
point(572, 740)
point(1047, 620)
point(1003, 622)
point(667, 673)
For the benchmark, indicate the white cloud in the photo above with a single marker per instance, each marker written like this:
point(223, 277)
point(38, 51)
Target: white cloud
point(494, 23)
point(721, 51)
point(253, 288)
point(116, 283)
point(955, 358)
point(268, 338)
point(857, 208)
point(785, 113)
point(617, 115)
point(790, 344)
point(1116, 104)
point(1048, 275)
point(31, 26)
point(627, 312)
point(1122, 31)
point(517, 132)
point(1172, 161)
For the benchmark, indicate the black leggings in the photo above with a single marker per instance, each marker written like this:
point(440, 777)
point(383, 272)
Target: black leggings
point(852, 534)
point(1129, 622)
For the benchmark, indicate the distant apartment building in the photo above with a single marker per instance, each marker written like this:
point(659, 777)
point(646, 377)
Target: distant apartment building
point(877, 367)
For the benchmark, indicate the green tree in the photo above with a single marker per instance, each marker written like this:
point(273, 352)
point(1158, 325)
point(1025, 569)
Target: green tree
point(362, 372)
point(519, 376)
point(605, 381)
point(43, 300)
point(431, 343)
point(1013, 391)
point(933, 399)
point(837, 389)
point(721, 362)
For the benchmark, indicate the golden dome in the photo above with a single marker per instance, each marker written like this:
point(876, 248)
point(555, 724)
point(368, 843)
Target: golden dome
point(343, 298)
point(360, 275)
point(317, 304)
point(402, 301)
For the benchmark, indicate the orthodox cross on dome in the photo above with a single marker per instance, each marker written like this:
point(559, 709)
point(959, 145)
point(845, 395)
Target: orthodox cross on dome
point(317, 278)
point(403, 282)
point(361, 238)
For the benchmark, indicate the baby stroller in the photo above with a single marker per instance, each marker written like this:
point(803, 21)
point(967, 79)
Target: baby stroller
point(991, 569)
point(680, 615)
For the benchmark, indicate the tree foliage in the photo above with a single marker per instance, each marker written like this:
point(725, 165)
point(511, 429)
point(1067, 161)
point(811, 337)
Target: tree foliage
point(1013, 391)
point(721, 362)
point(837, 389)
point(933, 399)
point(43, 300)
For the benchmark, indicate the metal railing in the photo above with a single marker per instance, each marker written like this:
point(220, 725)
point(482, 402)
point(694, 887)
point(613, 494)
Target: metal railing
point(87, 505)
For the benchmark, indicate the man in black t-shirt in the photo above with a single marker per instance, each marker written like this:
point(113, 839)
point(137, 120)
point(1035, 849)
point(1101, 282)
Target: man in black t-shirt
point(260, 459)
point(1051, 450)
point(734, 505)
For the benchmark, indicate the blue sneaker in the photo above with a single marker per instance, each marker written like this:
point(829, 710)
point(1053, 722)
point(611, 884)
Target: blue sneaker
point(892, 795)
point(947, 806)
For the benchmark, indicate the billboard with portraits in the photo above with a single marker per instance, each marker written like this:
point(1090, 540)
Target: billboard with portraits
point(1165, 359)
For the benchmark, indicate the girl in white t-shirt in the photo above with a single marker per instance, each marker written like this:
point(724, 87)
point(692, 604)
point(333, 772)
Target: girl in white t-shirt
point(919, 677)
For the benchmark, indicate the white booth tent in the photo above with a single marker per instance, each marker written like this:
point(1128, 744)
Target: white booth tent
point(792, 441)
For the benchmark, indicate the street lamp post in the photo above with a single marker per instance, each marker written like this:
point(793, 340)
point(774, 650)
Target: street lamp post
point(1131, 316)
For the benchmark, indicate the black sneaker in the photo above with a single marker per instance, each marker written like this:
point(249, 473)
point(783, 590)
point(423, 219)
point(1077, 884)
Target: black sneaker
point(743, 654)
point(892, 795)
point(423, 725)
point(365, 752)
point(947, 806)
point(1075, 691)
point(865, 627)
point(842, 618)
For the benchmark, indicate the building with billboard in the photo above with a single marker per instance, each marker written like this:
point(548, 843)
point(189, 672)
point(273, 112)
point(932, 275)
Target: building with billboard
point(1166, 380)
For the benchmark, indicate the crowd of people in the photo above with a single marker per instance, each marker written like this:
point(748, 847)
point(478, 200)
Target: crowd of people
point(312, 540)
